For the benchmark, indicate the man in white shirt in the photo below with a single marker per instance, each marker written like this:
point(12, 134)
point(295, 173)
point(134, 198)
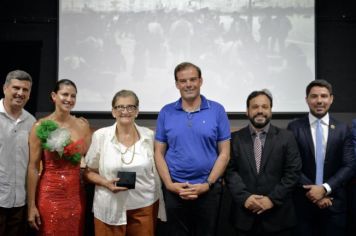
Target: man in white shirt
point(15, 125)
point(328, 163)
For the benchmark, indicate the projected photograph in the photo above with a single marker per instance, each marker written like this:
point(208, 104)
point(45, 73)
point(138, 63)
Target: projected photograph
point(240, 45)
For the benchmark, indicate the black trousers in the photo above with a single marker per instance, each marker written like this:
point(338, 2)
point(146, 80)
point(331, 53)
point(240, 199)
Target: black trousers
point(13, 221)
point(313, 221)
point(193, 217)
point(258, 230)
point(288, 232)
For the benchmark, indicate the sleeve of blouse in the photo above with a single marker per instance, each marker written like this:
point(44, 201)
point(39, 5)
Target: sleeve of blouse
point(93, 155)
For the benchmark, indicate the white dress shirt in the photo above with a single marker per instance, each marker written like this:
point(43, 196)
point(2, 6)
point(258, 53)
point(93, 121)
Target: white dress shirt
point(325, 126)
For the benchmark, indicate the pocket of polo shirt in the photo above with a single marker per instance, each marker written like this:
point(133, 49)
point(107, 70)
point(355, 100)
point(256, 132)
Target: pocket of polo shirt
point(4, 187)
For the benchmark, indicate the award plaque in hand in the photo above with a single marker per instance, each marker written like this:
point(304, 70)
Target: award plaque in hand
point(126, 179)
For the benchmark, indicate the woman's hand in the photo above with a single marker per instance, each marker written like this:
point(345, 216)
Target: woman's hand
point(93, 176)
point(111, 185)
point(34, 218)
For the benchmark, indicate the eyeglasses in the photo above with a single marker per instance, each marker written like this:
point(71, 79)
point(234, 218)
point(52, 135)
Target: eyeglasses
point(128, 108)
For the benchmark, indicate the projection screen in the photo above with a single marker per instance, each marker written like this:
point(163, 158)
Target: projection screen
point(240, 45)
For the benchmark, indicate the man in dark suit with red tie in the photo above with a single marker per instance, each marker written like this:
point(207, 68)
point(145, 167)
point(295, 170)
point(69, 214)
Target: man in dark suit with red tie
point(262, 173)
point(328, 162)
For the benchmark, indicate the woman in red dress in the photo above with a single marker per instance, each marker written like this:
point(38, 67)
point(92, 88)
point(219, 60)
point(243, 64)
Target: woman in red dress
point(55, 196)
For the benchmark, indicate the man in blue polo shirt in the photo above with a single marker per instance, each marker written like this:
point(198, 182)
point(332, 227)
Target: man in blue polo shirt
point(192, 149)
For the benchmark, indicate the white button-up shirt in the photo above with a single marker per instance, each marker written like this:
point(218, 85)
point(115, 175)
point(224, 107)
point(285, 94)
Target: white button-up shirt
point(14, 156)
point(104, 154)
point(324, 125)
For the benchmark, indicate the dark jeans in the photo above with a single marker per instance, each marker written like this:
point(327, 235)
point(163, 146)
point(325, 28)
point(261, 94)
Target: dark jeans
point(193, 217)
point(13, 221)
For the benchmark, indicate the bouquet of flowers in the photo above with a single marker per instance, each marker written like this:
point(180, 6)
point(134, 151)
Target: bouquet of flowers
point(56, 139)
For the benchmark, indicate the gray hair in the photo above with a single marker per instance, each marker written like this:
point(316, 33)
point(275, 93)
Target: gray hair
point(125, 93)
point(19, 75)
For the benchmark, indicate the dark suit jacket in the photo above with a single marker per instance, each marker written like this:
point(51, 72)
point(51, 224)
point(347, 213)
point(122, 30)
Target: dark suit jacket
point(354, 133)
point(339, 161)
point(279, 173)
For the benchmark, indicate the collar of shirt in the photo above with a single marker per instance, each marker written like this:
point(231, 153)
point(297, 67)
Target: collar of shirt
point(143, 134)
point(313, 119)
point(264, 131)
point(324, 125)
point(205, 104)
point(22, 117)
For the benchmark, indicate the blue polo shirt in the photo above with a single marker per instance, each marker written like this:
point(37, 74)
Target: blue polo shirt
point(192, 139)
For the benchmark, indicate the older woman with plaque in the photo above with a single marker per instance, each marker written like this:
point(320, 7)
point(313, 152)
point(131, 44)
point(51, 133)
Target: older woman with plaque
point(120, 163)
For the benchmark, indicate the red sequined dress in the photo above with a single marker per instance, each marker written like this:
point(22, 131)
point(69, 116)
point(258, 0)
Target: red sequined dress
point(60, 197)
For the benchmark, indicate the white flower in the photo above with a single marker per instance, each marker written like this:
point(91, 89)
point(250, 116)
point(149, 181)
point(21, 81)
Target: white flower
point(58, 139)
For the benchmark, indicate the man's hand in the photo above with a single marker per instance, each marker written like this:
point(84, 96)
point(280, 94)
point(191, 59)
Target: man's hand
point(324, 202)
point(253, 204)
point(177, 187)
point(192, 191)
point(266, 204)
point(258, 203)
point(315, 192)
